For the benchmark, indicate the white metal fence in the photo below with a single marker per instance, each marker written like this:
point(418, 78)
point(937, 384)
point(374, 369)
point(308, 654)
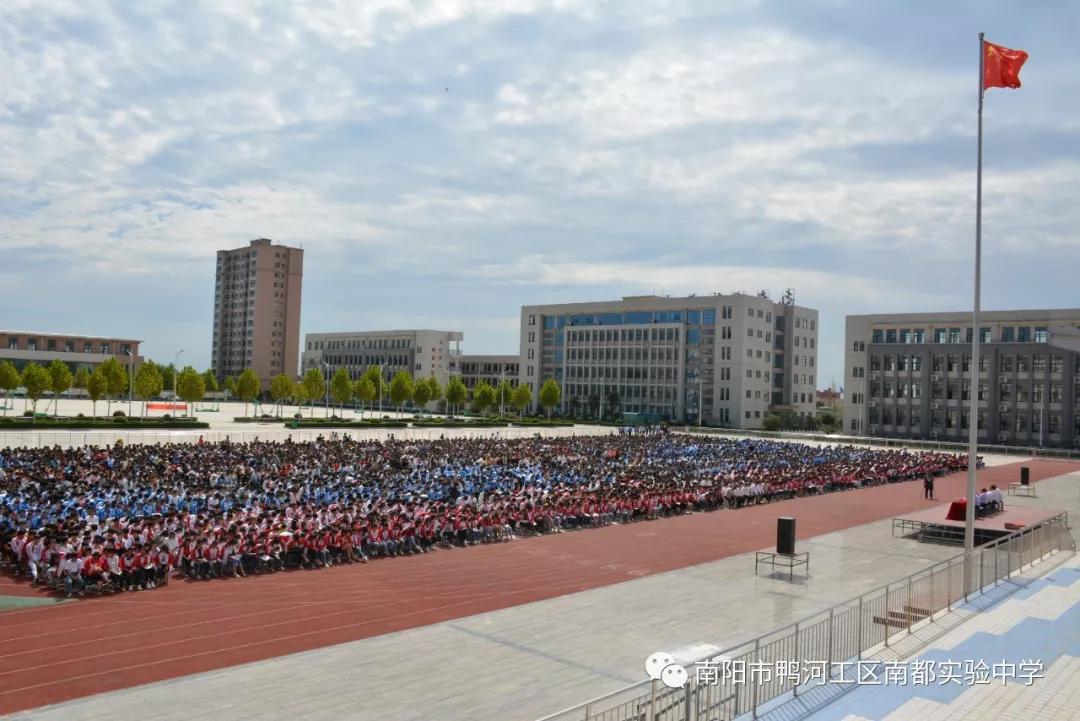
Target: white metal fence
point(843, 633)
point(69, 439)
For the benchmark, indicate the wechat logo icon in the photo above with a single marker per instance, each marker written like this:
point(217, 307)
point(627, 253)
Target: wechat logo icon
point(662, 667)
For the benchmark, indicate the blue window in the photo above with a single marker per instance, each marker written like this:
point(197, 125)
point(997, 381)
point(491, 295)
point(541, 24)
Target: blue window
point(1024, 334)
point(1041, 336)
point(693, 336)
point(1008, 334)
point(708, 317)
point(562, 321)
point(669, 316)
point(639, 317)
point(549, 322)
point(610, 319)
point(693, 317)
point(877, 336)
point(582, 319)
point(890, 335)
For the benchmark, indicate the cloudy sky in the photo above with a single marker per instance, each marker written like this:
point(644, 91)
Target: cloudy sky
point(444, 162)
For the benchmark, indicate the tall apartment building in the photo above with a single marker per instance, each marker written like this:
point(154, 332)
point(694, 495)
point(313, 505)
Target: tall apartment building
point(257, 310)
point(422, 353)
point(909, 375)
point(491, 369)
point(720, 359)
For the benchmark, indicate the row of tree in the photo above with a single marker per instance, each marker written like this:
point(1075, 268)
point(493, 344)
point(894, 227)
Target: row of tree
point(403, 389)
point(111, 381)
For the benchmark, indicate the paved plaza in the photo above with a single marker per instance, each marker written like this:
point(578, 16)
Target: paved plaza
point(523, 662)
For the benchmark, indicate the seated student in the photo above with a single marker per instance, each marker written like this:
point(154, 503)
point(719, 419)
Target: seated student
point(274, 554)
point(997, 498)
point(111, 567)
point(148, 563)
point(69, 571)
point(94, 575)
point(131, 572)
point(163, 567)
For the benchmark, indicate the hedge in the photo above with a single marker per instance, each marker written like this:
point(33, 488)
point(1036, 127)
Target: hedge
point(18, 424)
point(331, 423)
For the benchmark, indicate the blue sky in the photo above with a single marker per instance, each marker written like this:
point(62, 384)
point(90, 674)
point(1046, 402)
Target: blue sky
point(445, 162)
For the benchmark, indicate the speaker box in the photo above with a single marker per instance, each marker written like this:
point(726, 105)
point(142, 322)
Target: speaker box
point(785, 534)
point(1025, 478)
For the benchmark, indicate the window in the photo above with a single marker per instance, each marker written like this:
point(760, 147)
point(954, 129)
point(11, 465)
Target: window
point(1023, 364)
point(13, 344)
point(1055, 423)
point(953, 363)
point(1008, 334)
point(750, 332)
point(954, 335)
point(1055, 393)
point(919, 336)
point(859, 346)
point(1038, 363)
point(984, 335)
point(939, 335)
point(1023, 334)
point(916, 363)
point(905, 335)
point(750, 312)
point(1041, 335)
point(1056, 363)
point(890, 362)
point(877, 336)
point(88, 347)
point(105, 349)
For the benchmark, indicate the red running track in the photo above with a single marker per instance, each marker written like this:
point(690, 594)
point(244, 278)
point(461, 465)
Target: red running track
point(68, 650)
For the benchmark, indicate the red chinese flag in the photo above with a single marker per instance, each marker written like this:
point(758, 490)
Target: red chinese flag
point(1001, 66)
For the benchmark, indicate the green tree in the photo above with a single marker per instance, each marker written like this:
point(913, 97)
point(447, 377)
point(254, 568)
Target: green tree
point(148, 382)
point(365, 392)
point(116, 379)
point(456, 393)
point(247, 387)
point(771, 422)
point(375, 375)
point(422, 393)
point(341, 387)
point(435, 390)
point(503, 394)
point(550, 394)
point(190, 385)
point(81, 378)
point(36, 380)
point(521, 398)
point(230, 389)
point(314, 387)
point(282, 387)
point(168, 377)
point(483, 397)
point(59, 381)
point(210, 381)
point(9, 380)
point(401, 389)
point(96, 387)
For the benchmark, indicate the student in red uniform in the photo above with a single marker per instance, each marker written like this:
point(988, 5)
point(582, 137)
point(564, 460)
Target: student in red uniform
point(131, 574)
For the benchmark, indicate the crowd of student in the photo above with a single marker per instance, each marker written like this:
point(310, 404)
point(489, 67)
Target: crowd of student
point(130, 517)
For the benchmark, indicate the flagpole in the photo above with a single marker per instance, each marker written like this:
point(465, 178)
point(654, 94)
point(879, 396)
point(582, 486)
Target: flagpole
point(973, 419)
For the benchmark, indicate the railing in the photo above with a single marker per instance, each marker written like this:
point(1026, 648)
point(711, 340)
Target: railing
point(843, 633)
point(69, 439)
point(880, 441)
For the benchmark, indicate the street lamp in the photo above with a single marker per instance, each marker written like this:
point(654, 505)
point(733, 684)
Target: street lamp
point(502, 393)
point(326, 378)
point(176, 374)
point(131, 377)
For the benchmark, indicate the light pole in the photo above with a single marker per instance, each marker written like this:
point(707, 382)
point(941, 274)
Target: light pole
point(326, 382)
point(131, 378)
point(502, 393)
point(176, 374)
point(699, 404)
